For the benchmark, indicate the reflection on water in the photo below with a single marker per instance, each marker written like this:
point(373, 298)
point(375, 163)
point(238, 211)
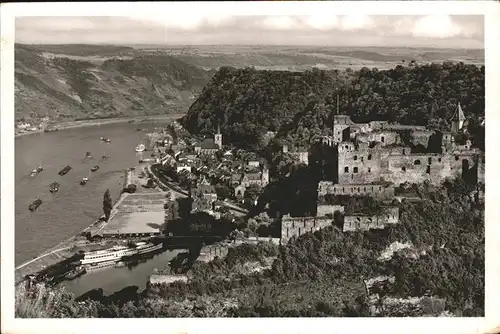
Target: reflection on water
point(120, 275)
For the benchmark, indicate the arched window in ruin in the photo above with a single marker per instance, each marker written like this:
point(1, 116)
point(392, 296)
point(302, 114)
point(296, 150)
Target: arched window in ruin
point(369, 170)
point(403, 169)
point(369, 156)
point(382, 139)
point(355, 169)
point(417, 162)
point(430, 160)
point(456, 157)
point(346, 169)
point(355, 157)
point(404, 151)
point(439, 159)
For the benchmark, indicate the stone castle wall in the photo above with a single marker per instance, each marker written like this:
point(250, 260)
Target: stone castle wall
point(297, 226)
point(373, 190)
point(388, 216)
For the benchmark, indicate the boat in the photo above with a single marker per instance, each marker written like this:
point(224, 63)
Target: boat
point(36, 203)
point(77, 272)
point(103, 265)
point(115, 254)
point(143, 248)
point(54, 187)
point(140, 148)
point(64, 170)
point(84, 181)
point(105, 157)
point(36, 171)
point(93, 169)
point(88, 155)
point(106, 140)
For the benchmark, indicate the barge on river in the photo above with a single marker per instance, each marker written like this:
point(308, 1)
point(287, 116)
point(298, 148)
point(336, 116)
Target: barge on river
point(65, 170)
point(33, 206)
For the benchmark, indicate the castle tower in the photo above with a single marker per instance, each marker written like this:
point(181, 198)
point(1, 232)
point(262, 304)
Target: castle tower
point(457, 120)
point(265, 176)
point(218, 138)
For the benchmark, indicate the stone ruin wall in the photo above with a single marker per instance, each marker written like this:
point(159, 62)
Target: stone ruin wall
point(388, 216)
point(297, 226)
point(398, 165)
point(377, 191)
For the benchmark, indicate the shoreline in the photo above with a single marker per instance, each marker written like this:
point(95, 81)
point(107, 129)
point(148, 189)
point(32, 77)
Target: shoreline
point(21, 270)
point(102, 121)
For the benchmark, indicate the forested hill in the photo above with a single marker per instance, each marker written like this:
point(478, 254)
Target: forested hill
point(247, 102)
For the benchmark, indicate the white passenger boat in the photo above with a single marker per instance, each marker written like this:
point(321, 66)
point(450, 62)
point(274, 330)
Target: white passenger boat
point(143, 247)
point(102, 265)
point(111, 254)
point(118, 253)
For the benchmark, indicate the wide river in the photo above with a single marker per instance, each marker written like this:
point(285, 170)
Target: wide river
point(74, 207)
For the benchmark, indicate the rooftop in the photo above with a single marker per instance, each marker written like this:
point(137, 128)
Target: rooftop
point(208, 144)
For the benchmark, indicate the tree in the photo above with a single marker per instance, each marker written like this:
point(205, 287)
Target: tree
point(107, 204)
point(251, 193)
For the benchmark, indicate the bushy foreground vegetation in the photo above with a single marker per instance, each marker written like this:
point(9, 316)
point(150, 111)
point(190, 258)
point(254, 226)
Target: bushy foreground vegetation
point(319, 274)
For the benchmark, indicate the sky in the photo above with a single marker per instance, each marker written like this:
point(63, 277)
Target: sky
point(324, 28)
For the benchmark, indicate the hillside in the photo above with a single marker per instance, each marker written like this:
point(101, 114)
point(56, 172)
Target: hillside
point(298, 105)
point(95, 83)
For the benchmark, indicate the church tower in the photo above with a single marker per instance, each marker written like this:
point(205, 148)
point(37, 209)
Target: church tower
point(218, 138)
point(265, 176)
point(458, 119)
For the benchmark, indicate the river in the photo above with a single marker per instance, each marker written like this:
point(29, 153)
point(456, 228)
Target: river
point(111, 280)
point(74, 207)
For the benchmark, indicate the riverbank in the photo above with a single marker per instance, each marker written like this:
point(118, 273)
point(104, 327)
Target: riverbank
point(104, 121)
point(70, 246)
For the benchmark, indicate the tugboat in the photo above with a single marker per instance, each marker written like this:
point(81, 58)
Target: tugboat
point(33, 206)
point(93, 169)
point(54, 187)
point(64, 170)
point(84, 181)
point(36, 171)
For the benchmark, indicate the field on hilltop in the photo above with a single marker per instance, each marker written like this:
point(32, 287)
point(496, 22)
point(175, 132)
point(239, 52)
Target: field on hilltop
point(76, 81)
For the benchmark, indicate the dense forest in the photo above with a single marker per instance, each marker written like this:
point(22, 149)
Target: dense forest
point(246, 103)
